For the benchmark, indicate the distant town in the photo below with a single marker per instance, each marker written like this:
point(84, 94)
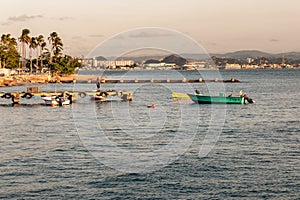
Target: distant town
point(175, 62)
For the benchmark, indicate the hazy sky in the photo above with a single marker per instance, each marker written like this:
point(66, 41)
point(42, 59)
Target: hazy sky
point(218, 25)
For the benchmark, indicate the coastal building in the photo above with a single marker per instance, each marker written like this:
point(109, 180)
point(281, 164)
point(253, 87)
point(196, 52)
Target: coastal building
point(248, 66)
point(233, 66)
point(194, 65)
point(249, 60)
point(154, 64)
point(115, 63)
point(95, 63)
point(4, 72)
point(124, 63)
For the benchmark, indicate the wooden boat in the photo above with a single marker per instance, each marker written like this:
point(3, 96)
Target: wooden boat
point(56, 101)
point(221, 99)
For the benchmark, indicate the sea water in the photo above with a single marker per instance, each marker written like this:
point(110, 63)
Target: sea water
point(177, 150)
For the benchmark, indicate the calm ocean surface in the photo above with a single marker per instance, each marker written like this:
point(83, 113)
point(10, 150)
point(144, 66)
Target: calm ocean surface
point(177, 150)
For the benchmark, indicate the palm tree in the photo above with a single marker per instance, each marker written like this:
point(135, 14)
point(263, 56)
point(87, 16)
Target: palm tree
point(7, 40)
point(56, 46)
point(32, 46)
point(41, 45)
point(8, 47)
point(24, 39)
point(4, 42)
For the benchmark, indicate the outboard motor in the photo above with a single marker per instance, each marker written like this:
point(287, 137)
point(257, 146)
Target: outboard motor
point(246, 98)
point(250, 100)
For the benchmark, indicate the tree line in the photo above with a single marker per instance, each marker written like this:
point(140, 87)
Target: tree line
point(49, 55)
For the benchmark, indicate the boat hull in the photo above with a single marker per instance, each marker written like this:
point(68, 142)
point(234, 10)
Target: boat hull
point(180, 96)
point(54, 101)
point(206, 99)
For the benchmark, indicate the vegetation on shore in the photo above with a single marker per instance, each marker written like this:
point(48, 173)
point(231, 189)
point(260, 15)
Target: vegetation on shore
point(35, 54)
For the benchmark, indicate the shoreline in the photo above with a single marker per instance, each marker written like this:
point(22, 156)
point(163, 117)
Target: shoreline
point(21, 80)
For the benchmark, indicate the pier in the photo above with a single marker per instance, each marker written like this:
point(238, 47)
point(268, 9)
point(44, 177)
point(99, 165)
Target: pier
point(136, 80)
point(87, 79)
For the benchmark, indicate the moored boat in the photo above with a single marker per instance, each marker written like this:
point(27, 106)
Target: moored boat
point(221, 99)
point(56, 101)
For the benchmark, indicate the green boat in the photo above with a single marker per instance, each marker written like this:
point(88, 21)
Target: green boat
point(221, 99)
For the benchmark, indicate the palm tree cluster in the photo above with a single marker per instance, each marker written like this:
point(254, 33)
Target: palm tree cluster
point(10, 57)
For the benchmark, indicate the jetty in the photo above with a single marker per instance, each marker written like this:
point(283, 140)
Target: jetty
point(87, 79)
point(168, 80)
point(71, 95)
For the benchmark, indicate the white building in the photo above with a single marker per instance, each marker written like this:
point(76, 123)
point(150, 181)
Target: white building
point(233, 66)
point(95, 63)
point(162, 64)
point(4, 72)
point(115, 63)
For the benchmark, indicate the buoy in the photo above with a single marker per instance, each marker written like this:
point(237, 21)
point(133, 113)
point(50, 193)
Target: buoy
point(151, 106)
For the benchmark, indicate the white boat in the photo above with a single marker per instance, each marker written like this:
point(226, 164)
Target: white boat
point(56, 101)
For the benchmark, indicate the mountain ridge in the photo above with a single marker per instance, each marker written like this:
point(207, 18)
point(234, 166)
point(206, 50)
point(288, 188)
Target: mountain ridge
point(241, 54)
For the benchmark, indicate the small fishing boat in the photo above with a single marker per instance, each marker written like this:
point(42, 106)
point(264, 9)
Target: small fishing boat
point(221, 99)
point(56, 101)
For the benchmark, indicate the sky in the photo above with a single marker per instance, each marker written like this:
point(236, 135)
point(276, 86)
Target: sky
point(218, 25)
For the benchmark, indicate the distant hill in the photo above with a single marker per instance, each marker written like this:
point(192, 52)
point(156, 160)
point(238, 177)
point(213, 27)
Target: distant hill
point(246, 54)
point(289, 55)
point(142, 58)
point(100, 58)
point(236, 55)
point(257, 54)
point(191, 56)
point(175, 59)
point(152, 61)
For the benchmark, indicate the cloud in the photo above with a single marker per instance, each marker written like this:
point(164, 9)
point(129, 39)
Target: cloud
point(21, 18)
point(150, 34)
point(24, 18)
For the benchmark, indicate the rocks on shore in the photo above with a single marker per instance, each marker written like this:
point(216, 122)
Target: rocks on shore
point(34, 79)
